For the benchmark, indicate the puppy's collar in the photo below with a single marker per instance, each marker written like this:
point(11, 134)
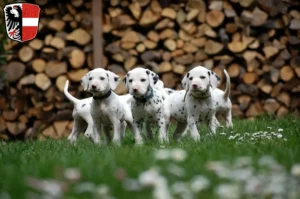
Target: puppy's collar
point(205, 95)
point(149, 95)
point(102, 96)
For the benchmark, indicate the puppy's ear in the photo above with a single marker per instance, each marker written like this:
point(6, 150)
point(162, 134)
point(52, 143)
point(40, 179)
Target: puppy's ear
point(215, 80)
point(184, 82)
point(113, 80)
point(85, 81)
point(153, 77)
point(125, 80)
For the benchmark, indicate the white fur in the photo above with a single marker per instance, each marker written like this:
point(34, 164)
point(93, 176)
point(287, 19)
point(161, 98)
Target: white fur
point(82, 117)
point(111, 112)
point(139, 82)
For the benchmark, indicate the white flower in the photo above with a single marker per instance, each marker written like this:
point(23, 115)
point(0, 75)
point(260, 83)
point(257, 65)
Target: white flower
point(223, 134)
point(72, 174)
point(199, 183)
point(280, 130)
point(295, 171)
point(241, 174)
point(181, 189)
point(85, 187)
point(162, 154)
point(178, 155)
point(161, 190)
point(268, 127)
point(102, 191)
point(175, 170)
point(132, 185)
point(148, 178)
point(279, 135)
point(230, 191)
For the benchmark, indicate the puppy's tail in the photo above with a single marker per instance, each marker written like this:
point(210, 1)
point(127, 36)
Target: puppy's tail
point(68, 95)
point(227, 90)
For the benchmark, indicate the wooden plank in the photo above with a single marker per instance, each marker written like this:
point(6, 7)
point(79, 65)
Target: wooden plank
point(97, 34)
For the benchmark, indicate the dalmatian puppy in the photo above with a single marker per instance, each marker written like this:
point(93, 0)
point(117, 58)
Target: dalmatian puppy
point(148, 103)
point(82, 117)
point(199, 84)
point(222, 101)
point(108, 109)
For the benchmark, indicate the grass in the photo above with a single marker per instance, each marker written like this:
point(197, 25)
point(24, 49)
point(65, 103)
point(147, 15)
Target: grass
point(99, 164)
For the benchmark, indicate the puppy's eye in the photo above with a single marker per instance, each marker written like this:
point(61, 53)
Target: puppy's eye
point(90, 78)
point(143, 80)
point(102, 78)
point(202, 77)
point(191, 78)
point(130, 81)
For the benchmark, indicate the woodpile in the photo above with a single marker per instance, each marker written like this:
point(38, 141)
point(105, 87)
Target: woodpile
point(256, 41)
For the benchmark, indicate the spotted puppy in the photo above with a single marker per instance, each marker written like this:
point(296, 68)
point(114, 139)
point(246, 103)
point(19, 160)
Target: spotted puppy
point(108, 109)
point(82, 117)
point(177, 107)
point(198, 84)
point(148, 103)
point(222, 101)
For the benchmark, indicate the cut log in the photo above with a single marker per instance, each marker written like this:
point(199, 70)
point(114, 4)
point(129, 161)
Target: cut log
point(170, 44)
point(140, 48)
point(16, 128)
point(282, 111)
point(76, 75)
point(199, 42)
point(155, 6)
point(38, 65)
point(127, 45)
point(41, 2)
point(80, 36)
point(166, 56)
point(177, 53)
point(130, 63)
point(179, 69)
point(153, 36)
point(143, 2)
point(270, 51)
point(237, 46)
point(234, 70)
point(57, 43)
point(271, 106)
point(185, 59)
point(131, 36)
point(148, 18)
point(246, 3)
point(2, 125)
point(179, 43)
point(190, 48)
point(215, 18)
point(244, 101)
point(260, 17)
point(150, 44)
point(165, 23)
point(276, 90)
point(295, 24)
point(135, 9)
point(200, 56)
point(26, 53)
point(50, 132)
point(169, 12)
point(42, 81)
point(9, 115)
point(190, 28)
point(170, 80)
point(167, 34)
point(60, 127)
point(54, 68)
point(212, 47)
point(14, 71)
point(284, 98)
point(77, 58)
point(286, 73)
point(181, 16)
point(60, 82)
point(164, 67)
point(57, 25)
point(26, 80)
point(192, 14)
point(36, 44)
point(250, 78)
point(254, 110)
point(231, 28)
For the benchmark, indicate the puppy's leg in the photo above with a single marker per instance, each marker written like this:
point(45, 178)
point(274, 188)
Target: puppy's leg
point(117, 131)
point(123, 130)
point(211, 123)
point(106, 130)
point(149, 131)
point(79, 126)
point(137, 127)
point(179, 130)
point(228, 118)
point(162, 128)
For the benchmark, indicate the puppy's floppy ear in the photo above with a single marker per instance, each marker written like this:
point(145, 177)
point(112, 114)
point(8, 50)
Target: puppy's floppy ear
point(184, 82)
point(85, 81)
point(153, 77)
point(215, 80)
point(125, 80)
point(113, 79)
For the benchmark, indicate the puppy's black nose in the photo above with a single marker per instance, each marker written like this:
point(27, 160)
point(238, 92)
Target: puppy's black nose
point(135, 90)
point(195, 86)
point(93, 87)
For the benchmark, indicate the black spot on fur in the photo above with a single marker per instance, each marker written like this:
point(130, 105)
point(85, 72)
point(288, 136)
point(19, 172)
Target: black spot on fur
point(124, 80)
point(187, 75)
point(116, 79)
point(148, 72)
point(208, 73)
point(83, 105)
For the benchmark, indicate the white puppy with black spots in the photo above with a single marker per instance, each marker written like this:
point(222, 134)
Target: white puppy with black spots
point(148, 103)
point(82, 117)
point(108, 109)
point(221, 101)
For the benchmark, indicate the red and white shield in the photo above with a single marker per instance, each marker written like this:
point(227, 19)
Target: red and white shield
point(22, 21)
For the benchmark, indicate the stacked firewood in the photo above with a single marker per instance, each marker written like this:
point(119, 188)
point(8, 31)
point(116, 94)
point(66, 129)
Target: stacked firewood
point(33, 103)
point(256, 41)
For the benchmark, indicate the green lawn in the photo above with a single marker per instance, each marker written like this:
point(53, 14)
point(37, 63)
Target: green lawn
point(259, 162)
